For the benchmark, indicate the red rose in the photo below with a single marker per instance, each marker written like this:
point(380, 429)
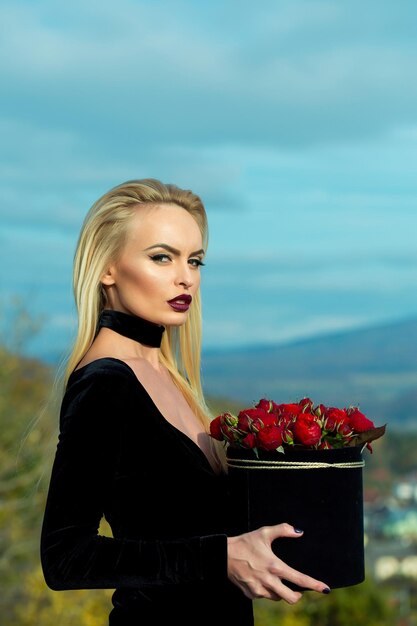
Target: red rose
point(287, 413)
point(272, 426)
point(306, 430)
point(269, 438)
point(253, 413)
point(335, 419)
point(359, 421)
point(290, 410)
point(335, 413)
point(268, 419)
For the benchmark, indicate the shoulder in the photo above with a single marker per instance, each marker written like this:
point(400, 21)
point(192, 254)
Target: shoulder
point(102, 387)
point(102, 372)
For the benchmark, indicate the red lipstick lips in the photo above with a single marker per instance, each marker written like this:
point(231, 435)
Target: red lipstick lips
point(181, 303)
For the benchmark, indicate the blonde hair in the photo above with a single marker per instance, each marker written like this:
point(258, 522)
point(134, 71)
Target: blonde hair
point(100, 242)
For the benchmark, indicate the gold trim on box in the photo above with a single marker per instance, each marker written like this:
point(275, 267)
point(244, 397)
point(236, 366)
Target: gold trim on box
point(258, 464)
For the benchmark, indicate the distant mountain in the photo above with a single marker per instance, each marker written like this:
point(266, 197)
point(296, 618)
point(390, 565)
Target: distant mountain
point(375, 368)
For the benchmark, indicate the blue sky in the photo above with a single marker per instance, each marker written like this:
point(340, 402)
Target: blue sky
point(296, 122)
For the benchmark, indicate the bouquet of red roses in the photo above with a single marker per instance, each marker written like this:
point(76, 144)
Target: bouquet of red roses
point(299, 425)
point(287, 462)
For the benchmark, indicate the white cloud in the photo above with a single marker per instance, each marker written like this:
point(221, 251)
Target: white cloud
point(132, 67)
point(294, 121)
point(227, 334)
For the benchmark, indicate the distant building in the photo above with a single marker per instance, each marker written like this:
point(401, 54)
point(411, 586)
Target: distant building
point(391, 560)
point(391, 533)
point(406, 489)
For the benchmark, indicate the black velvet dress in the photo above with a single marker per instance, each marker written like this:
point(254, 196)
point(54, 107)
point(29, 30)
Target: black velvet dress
point(118, 456)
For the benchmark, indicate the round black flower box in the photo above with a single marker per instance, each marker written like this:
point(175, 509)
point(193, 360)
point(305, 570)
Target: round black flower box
point(319, 491)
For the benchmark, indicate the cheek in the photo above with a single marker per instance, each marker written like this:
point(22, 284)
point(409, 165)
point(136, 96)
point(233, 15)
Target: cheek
point(141, 278)
point(197, 281)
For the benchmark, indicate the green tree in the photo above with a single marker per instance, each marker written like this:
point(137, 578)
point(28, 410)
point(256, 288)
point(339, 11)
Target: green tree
point(361, 605)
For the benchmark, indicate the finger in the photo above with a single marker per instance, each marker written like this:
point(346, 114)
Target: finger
point(280, 591)
point(277, 596)
point(283, 530)
point(289, 573)
point(302, 580)
point(272, 588)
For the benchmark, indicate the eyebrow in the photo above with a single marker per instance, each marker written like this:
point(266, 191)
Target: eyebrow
point(173, 250)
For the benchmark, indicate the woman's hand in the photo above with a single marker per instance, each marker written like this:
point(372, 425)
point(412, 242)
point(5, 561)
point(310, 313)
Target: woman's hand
point(258, 572)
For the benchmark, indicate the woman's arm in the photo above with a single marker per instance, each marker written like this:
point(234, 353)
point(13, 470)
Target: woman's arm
point(73, 554)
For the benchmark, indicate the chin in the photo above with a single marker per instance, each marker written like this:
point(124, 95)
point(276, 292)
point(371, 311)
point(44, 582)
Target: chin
point(177, 319)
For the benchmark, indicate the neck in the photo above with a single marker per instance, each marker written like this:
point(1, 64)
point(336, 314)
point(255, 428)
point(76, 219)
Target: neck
point(134, 327)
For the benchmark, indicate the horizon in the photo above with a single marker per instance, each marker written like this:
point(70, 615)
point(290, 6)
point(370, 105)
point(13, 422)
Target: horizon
point(52, 358)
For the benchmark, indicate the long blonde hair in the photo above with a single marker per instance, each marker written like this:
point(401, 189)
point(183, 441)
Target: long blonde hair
point(101, 240)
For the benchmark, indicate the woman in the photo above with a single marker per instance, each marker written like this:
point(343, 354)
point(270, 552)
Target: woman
point(134, 444)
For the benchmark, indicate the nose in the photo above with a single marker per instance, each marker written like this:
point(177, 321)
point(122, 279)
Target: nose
point(184, 276)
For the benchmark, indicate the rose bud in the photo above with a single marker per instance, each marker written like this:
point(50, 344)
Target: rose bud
point(344, 428)
point(287, 436)
point(286, 420)
point(325, 445)
point(244, 423)
point(330, 424)
point(306, 430)
point(249, 441)
point(276, 408)
point(306, 405)
point(264, 404)
point(228, 426)
point(320, 410)
point(269, 438)
point(215, 429)
point(359, 421)
point(229, 419)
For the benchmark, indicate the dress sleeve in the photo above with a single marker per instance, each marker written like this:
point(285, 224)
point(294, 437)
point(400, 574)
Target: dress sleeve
point(73, 554)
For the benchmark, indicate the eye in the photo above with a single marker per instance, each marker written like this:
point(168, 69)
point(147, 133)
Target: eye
point(160, 258)
point(196, 262)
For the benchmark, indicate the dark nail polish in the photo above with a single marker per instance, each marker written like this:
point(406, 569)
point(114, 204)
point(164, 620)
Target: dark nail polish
point(326, 590)
point(298, 530)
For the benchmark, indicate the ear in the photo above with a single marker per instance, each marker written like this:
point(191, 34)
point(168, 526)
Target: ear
point(108, 277)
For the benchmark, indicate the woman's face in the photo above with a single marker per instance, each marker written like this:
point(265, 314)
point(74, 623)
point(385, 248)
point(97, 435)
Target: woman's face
point(158, 271)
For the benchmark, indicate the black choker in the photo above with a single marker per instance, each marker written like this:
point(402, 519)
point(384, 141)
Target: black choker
point(132, 326)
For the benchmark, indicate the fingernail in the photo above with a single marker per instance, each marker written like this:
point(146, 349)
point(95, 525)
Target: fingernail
point(326, 590)
point(298, 530)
